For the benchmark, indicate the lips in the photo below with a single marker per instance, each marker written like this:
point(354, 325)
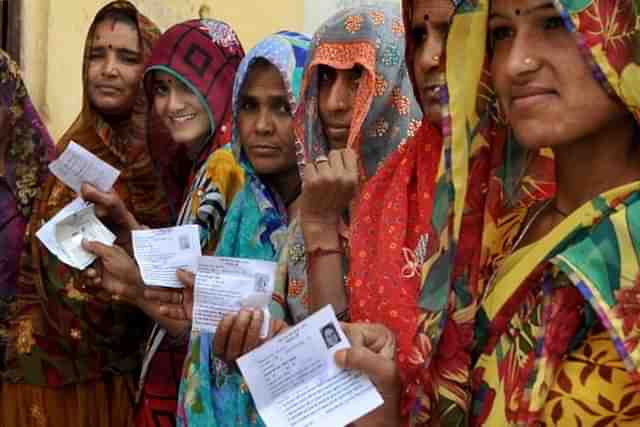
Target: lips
point(264, 149)
point(108, 89)
point(337, 131)
point(526, 96)
point(181, 119)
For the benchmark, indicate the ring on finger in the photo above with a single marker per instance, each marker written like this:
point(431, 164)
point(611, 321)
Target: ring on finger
point(321, 159)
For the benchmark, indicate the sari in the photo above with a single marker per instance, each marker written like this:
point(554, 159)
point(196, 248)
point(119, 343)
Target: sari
point(553, 346)
point(73, 352)
point(28, 152)
point(213, 393)
point(214, 180)
point(385, 115)
point(422, 211)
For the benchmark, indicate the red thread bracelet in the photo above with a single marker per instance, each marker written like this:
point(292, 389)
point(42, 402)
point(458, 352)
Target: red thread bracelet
point(319, 253)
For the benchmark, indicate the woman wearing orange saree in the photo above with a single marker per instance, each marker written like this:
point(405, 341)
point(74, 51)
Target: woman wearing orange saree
point(73, 352)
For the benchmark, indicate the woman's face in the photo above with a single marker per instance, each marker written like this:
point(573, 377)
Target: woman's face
point(179, 109)
point(265, 122)
point(115, 67)
point(543, 83)
point(429, 28)
point(336, 93)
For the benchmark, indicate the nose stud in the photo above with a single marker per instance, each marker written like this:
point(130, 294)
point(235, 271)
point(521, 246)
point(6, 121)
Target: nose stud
point(529, 62)
point(436, 58)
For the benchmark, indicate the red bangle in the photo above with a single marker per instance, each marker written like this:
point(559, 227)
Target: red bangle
point(319, 253)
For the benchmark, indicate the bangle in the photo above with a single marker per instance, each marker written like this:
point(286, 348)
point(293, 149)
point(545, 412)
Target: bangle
point(313, 255)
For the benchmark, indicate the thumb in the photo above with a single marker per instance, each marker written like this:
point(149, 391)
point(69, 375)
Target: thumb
point(99, 249)
point(185, 277)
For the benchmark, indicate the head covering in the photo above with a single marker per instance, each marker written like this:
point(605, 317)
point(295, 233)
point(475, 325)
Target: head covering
point(30, 147)
point(586, 248)
point(416, 212)
point(257, 212)
point(211, 394)
point(204, 55)
point(62, 331)
point(385, 112)
point(28, 151)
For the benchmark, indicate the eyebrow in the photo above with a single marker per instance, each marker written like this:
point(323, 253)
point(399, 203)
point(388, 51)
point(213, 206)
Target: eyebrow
point(525, 12)
point(269, 98)
point(123, 50)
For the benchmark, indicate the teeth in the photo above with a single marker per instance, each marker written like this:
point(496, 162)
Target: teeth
point(181, 119)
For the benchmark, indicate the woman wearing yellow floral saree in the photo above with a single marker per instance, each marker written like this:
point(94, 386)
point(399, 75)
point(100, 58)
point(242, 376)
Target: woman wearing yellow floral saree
point(555, 342)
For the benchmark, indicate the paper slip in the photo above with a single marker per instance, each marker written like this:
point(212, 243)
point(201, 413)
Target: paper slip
point(161, 252)
point(47, 233)
point(226, 285)
point(295, 382)
point(79, 225)
point(76, 165)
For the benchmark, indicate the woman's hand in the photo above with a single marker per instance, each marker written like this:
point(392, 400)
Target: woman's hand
point(111, 209)
point(174, 304)
point(328, 187)
point(116, 272)
point(239, 333)
point(372, 352)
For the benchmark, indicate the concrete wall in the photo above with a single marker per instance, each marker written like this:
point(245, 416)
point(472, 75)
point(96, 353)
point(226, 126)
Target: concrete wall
point(54, 32)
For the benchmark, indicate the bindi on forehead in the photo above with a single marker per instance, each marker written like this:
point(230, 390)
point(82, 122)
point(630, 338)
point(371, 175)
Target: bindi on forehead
point(433, 11)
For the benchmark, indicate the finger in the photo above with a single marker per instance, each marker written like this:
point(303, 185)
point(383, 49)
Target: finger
point(371, 336)
point(174, 312)
point(336, 163)
point(163, 296)
point(222, 334)
point(310, 173)
point(98, 249)
point(380, 369)
point(252, 338)
point(324, 168)
point(187, 278)
point(350, 159)
point(90, 273)
point(238, 333)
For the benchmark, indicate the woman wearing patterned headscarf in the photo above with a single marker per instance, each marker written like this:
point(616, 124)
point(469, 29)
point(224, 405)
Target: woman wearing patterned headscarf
point(25, 151)
point(189, 81)
point(265, 95)
point(557, 330)
point(359, 108)
point(73, 352)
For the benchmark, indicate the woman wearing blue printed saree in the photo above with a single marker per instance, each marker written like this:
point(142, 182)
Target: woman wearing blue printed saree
point(265, 95)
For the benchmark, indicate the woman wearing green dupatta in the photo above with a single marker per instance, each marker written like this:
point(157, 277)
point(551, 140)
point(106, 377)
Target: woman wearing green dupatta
point(555, 342)
point(265, 95)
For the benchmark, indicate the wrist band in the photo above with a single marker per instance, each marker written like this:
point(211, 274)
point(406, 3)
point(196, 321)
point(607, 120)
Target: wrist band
point(319, 253)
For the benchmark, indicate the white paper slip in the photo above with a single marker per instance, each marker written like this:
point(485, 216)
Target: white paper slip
point(76, 165)
point(77, 226)
point(47, 233)
point(226, 285)
point(295, 382)
point(161, 252)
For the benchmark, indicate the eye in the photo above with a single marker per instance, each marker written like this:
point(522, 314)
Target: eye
point(326, 74)
point(420, 34)
point(160, 89)
point(356, 73)
point(247, 105)
point(283, 108)
point(553, 22)
point(500, 33)
point(96, 54)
